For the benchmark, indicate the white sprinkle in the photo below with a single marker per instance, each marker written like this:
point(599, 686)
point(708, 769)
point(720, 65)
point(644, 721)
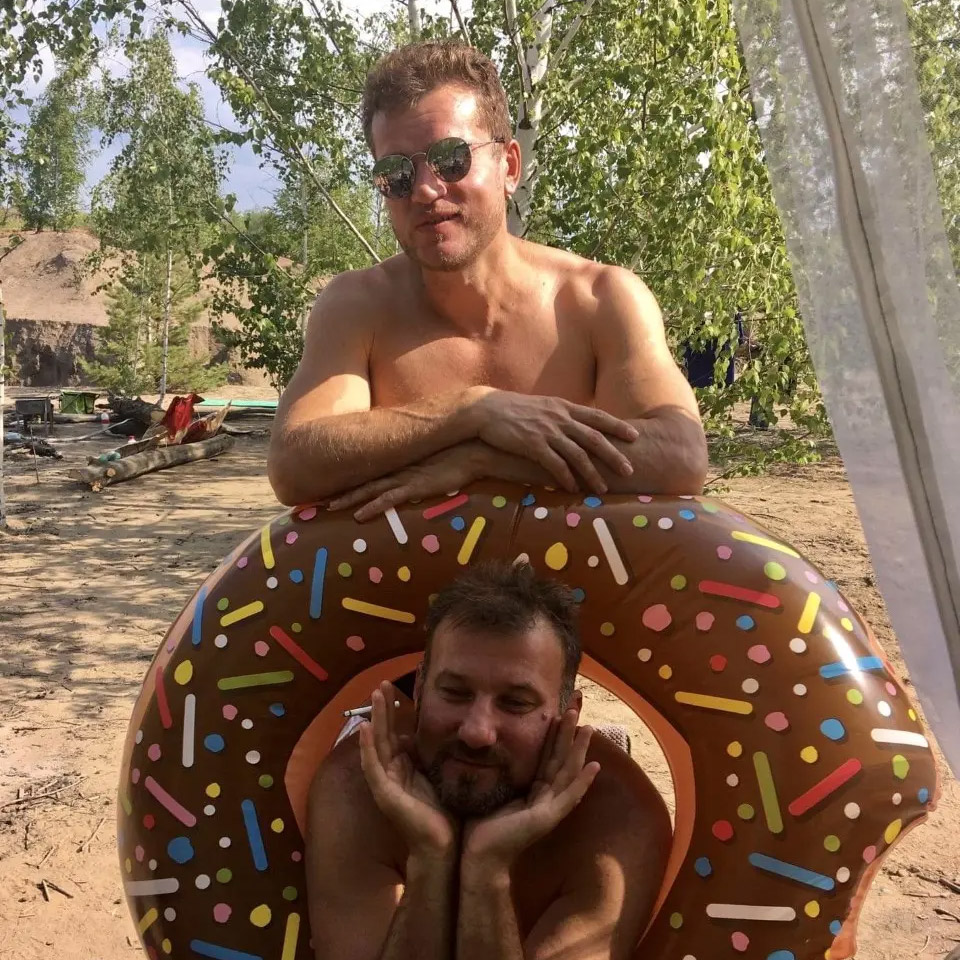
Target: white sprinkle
point(541, 513)
point(139, 736)
point(170, 914)
point(246, 723)
point(150, 888)
point(884, 708)
point(396, 525)
point(253, 756)
point(272, 583)
point(610, 551)
point(202, 881)
point(521, 558)
point(750, 685)
point(664, 523)
point(360, 545)
point(152, 864)
point(843, 875)
point(748, 911)
point(220, 640)
point(732, 780)
point(593, 561)
point(904, 737)
point(800, 689)
point(189, 724)
point(209, 809)
point(897, 799)
point(797, 645)
point(225, 842)
point(851, 811)
point(644, 654)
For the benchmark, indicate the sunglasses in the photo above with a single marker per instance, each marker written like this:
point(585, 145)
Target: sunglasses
point(449, 159)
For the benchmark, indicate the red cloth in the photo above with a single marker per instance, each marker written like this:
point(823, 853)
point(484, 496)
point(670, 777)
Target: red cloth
point(179, 414)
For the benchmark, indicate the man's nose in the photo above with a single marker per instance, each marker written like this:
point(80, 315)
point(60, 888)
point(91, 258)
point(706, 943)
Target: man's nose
point(478, 728)
point(427, 186)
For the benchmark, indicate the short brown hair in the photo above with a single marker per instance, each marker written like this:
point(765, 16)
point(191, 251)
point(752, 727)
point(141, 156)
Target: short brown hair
point(402, 78)
point(502, 597)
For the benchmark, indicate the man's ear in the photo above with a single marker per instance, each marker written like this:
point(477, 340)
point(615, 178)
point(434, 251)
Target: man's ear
point(513, 164)
point(418, 683)
point(576, 701)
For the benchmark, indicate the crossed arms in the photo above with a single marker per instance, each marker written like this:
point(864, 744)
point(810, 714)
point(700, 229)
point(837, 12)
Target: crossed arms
point(642, 434)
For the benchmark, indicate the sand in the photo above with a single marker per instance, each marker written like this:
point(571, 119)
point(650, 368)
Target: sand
point(89, 584)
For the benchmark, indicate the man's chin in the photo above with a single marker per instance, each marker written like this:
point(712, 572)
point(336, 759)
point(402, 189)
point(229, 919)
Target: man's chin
point(471, 796)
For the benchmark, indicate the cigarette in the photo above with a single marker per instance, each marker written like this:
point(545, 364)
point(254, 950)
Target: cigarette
point(364, 711)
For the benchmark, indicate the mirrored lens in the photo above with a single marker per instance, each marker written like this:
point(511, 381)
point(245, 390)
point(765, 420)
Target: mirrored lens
point(450, 159)
point(393, 176)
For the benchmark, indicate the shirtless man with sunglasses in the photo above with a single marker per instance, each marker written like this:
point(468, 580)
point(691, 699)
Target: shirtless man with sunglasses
point(474, 353)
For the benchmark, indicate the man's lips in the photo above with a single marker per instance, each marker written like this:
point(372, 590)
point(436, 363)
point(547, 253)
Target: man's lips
point(435, 220)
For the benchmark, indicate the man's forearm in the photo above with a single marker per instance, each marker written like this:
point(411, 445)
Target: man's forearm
point(323, 457)
point(486, 918)
point(424, 923)
point(668, 457)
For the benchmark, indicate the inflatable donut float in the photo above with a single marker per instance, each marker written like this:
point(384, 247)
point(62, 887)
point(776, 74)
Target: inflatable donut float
point(797, 758)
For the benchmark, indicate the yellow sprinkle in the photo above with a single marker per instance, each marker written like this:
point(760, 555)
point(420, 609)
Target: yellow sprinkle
point(676, 920)
point(165, 945)
point(404, 574)
point(499, 502)
point(128, 865)
point(265, 548)
point(831, 843)
point(277, 826)
point(724, 704)
point(745, 811)
point(812, 908)
point(809, 614)
point(183, 673)
point(260, 916)
point(735, 748)
point(147, 920)
point(678, 582)
point(296, 627)
point(809, 755)
point(640, 520)
point(607, 629)
point(855, 697)
point(846, 623)
point(375, 610)
point(290, 936)
point(470, 541)
point(213, 790)
point(344, 569)
point(556, 556)
point(912, 714)
point(774, 570)
point(241, 613)
point(763, 542)
point(125, 801)
point(768, 792)
point(893, 831)
point(666, 672)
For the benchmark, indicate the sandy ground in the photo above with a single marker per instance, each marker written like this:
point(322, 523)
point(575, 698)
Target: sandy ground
point(89, 584)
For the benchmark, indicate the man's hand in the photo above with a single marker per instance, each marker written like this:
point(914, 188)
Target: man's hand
point(444, 472)
point(401, 792)
point(559, 435)
point(562, 780)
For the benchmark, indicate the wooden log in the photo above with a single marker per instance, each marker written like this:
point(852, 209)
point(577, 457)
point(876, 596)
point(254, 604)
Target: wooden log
point(104, 474)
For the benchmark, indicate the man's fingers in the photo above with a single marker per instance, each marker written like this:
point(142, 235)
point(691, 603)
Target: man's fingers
point(597, 443)
point(575, 758)
point(577, 457)
point(555, 465)
point(392, 498)
point(575, 791)
point(605, 422)
point(381, 727)
point(365, 491)
point(566, 730)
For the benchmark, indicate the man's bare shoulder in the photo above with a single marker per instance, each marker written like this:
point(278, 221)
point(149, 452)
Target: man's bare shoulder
point(369, 288)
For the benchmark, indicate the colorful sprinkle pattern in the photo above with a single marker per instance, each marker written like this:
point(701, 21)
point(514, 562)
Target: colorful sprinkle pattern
point(808, 761)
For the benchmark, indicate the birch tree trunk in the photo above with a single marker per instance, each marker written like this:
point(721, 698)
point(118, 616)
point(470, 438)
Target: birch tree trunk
point(3, 382)
point(413, 11)
point(167, 303)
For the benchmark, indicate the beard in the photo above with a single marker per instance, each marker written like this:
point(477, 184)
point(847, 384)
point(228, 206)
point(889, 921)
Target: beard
point(477, 233)
point(463, 796)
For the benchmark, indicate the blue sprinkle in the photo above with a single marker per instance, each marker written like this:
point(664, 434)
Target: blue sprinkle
point(214, 742)
point(782, 955)
point(832, 584)
point(592, 501)
point(923, 794)
point(296, 576)
point(216, 952)
point(458, 523)
point(180, 849)
point(528, 500)
point(745, 622)
point(688, 515)
point(833, 729)
point(198, 616)
point(277, 709)
point(703, 866)
point(835, 927)
point(578, 595)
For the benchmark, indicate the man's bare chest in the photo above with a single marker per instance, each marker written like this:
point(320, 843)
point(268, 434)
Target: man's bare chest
point(535, 356)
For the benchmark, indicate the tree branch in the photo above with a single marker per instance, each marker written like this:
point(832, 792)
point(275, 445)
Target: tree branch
point(558, 54)
point(510, 14)
point(460, 21)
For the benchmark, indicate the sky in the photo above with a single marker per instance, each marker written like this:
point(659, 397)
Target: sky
point(254, 187)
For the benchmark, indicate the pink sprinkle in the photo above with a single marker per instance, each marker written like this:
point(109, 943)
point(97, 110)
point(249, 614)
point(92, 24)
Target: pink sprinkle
point(292, 536)
point(261, 648)
point(739, 940)
point(221, 912)
point(170, 645)
point(722, 830)
point(573, 519)
point(149, 821)
point(842, 606)
point(811, 576)
point(890, 688)
point(138, 853)
point(296, 856)
point(375, 574)
point(430, 543)
point(704, 621)
point(355, 643)
point(135, 775)
point(657, 617)
point(869, 854)
point(777, 721)
point(724, 553)
point(242, 562)
point(718, 663)
point(229, 711)
point(758, 653)
point(307, 514)
point(154, 752)
point(645, 499)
